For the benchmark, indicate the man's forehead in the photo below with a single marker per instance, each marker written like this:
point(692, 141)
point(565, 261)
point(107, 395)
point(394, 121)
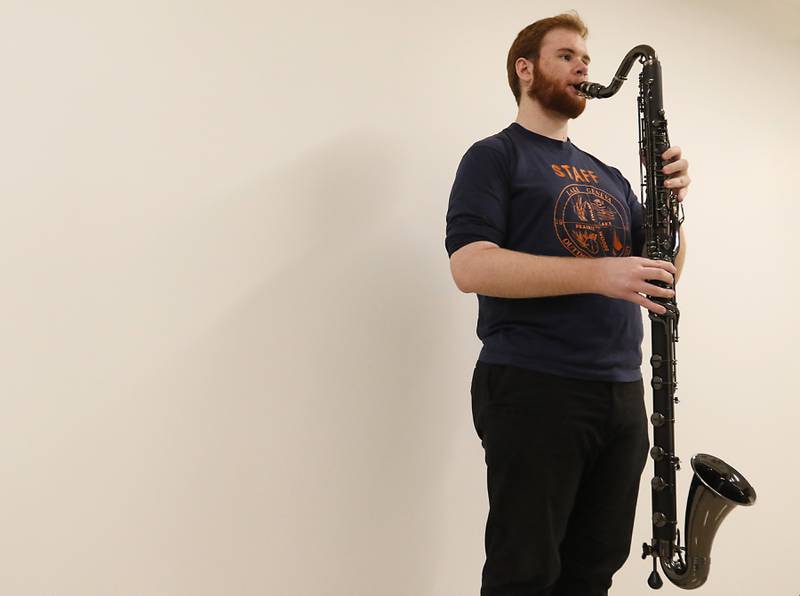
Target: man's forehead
point(558, 39)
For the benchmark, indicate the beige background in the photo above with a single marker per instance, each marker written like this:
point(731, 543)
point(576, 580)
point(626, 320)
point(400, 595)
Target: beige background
point(233, 359)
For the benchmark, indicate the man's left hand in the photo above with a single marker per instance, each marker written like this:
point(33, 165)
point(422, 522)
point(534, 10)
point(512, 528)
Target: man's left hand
point(678, 171)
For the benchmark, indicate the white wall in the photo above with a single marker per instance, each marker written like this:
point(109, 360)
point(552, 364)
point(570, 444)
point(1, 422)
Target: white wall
point(233, 359)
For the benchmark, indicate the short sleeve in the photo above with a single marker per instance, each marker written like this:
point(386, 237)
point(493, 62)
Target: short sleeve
point(479, 198)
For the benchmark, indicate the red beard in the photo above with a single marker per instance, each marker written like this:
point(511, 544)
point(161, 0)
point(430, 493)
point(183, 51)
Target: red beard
point(554, 96)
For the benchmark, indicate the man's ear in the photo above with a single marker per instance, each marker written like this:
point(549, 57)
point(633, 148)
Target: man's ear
point(524, 69)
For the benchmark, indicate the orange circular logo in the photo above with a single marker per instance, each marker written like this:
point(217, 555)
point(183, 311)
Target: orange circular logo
point(589, 222)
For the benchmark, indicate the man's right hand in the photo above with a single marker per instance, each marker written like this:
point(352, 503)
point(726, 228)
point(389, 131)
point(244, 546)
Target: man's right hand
point(627, 278)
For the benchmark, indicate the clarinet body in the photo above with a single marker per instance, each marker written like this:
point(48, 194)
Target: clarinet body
point(716, 487)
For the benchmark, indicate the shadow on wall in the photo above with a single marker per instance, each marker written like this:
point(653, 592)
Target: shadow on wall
point(304, 424)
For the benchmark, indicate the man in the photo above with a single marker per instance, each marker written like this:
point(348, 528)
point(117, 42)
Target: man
point(549, 238)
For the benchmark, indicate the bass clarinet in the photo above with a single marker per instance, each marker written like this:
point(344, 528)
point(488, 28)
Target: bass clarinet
point(716, 487)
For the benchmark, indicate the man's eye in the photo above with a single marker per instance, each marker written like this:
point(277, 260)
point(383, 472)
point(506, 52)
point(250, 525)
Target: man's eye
point(567, 56)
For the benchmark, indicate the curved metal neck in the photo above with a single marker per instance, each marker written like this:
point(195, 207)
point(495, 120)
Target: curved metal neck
point(594, 90)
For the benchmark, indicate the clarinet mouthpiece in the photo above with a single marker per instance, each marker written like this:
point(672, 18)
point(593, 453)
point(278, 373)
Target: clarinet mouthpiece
point(588, 90)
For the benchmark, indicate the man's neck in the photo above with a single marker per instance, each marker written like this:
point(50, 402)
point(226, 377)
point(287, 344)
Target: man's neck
point(534, 117)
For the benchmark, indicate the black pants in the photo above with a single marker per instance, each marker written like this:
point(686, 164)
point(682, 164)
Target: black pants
point(564, 458)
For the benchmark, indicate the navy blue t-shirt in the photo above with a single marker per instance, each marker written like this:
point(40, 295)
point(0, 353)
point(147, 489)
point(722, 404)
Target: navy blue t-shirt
point(530, 193)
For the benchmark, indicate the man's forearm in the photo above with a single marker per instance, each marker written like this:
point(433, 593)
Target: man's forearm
point(681, 256)
point(504, 273)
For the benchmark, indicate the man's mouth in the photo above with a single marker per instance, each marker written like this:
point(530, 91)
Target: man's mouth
point(576, 88)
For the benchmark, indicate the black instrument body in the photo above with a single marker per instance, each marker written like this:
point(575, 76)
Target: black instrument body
point(716, 487)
